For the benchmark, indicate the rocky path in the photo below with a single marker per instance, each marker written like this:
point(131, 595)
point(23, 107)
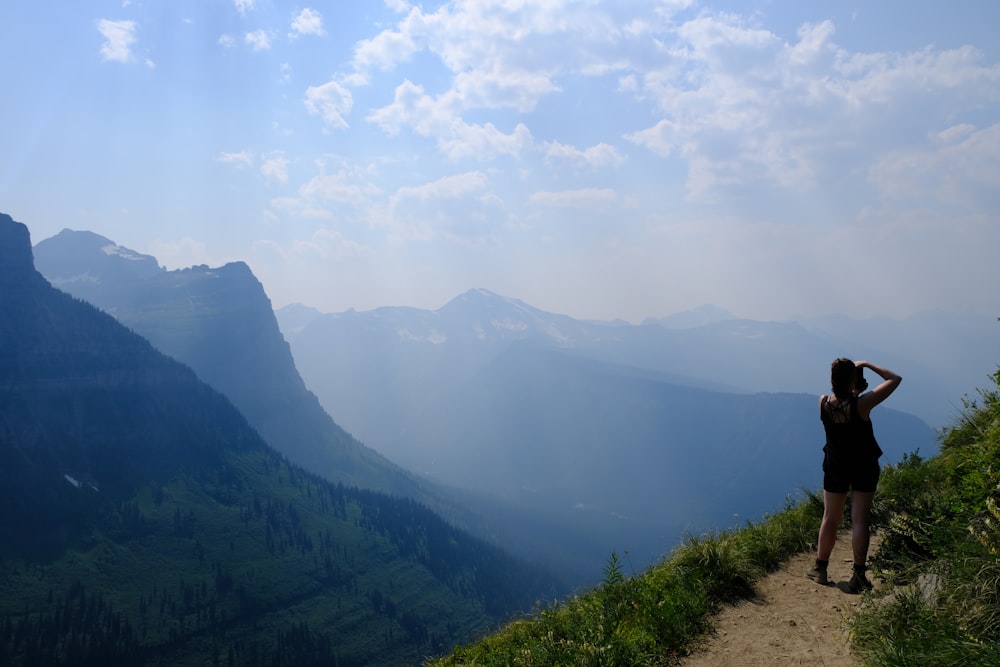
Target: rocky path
point(794, 621)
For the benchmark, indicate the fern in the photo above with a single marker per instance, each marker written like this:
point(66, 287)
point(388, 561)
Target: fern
point(613, 571)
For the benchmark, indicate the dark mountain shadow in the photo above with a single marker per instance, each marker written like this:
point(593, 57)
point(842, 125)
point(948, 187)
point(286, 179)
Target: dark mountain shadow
point(143, 520)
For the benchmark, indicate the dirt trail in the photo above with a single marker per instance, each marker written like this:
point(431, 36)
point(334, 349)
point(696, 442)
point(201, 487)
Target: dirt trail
point(794, 621)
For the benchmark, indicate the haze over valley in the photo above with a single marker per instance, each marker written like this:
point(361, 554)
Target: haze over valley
point(560, 439)
point(555, 440)
point(144, 520)
point(345, 334)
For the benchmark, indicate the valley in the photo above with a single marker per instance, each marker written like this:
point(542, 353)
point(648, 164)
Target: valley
point(380, 460)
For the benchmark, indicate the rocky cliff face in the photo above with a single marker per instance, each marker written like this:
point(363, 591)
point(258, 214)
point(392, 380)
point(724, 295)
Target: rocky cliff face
point(51, 342)
point(219, 321)
point(16, 262)
point(61, 361)
point(122, 473)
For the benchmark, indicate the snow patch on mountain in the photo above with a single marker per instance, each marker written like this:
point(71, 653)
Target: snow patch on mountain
point(113, 249)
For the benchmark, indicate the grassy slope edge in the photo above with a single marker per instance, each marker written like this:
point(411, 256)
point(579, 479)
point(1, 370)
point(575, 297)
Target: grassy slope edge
point(940, 552)
point(654, 617)
point(938, 559)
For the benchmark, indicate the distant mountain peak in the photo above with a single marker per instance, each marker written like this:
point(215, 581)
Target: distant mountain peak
point(113, 249)
point(485, 302)
point(87, 241)
point(695, 317)
point(83, 237)
point(481, 295)
point(93, 267)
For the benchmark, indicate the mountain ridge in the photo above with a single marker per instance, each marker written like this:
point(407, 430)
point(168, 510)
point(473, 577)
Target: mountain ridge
point(144, 521)
point(960, 340)
point(582, 429)
point(430, 384)
point(220, 322)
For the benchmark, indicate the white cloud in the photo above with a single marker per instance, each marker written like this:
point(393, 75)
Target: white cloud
point(259, 40)
point(601, 155)
point(436, 117)
point(485, 46)
point(332, 102)
point(340, 195)
point(746, 110)
point(307, 22)
point(226, 41)
point(339, 187)
point(119, 38)
point(458, 208)
point(244, 6)
point(483, 142)
point(815, 44)
point(325, 244)
point(584, 198)
point(274, 167)
point(413, 107)
point(239, 159)
point(499, 55)
point(661, 139)
point(962, 169)
point(398, 5)
point(389, 47)
point(447, 187)
point(496, 89)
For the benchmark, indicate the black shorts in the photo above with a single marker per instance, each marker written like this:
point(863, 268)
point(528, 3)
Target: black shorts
point(860, 475)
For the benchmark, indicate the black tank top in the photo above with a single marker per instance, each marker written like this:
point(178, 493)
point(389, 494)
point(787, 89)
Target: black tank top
point(847, 435)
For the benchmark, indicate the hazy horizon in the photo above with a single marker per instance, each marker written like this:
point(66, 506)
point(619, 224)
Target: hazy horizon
point(601, 160)
point(710, 310)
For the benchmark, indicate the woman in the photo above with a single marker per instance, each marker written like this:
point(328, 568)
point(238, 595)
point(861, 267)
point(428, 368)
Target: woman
point(850, 462)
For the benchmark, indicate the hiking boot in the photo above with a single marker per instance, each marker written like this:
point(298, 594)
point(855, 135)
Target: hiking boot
point(818, 574)
point(859, 582)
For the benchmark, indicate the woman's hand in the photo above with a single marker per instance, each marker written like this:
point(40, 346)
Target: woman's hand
point(889, 383)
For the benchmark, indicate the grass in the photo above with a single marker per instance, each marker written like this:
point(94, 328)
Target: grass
point(938, 560)
point(654, 617)
point(940, 553)
point(188, 590)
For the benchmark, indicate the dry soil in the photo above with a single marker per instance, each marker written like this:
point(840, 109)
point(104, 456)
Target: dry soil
point(793, 621)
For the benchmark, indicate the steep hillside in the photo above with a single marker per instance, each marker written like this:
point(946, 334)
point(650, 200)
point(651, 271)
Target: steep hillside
point(143, 520)
point(219, 322)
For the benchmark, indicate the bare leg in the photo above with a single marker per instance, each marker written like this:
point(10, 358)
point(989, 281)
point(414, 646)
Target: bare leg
point(861, 505)
point(833, 513)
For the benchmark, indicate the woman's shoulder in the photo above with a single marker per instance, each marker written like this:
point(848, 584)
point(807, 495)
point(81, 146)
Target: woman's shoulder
point(866, 403)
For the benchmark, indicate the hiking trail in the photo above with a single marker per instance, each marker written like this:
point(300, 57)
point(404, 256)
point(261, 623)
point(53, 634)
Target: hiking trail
point(792, 621)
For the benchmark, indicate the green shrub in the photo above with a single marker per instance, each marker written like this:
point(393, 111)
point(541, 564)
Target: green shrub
point(941, 525)
point(654, 617)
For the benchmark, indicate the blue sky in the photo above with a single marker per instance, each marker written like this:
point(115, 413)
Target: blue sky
point(606, 160)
